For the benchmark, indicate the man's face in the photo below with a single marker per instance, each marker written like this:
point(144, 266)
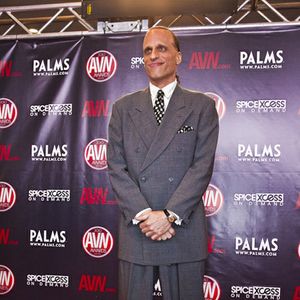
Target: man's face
point(160, 57)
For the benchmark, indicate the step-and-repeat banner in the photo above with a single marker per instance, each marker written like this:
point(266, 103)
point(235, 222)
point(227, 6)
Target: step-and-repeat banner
point(58, 214)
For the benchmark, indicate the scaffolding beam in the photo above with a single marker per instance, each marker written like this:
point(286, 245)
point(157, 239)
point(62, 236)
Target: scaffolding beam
point(65, 19)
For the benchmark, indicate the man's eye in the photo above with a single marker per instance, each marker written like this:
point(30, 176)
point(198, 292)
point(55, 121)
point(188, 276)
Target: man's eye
point(162, 48)
point(147, 51)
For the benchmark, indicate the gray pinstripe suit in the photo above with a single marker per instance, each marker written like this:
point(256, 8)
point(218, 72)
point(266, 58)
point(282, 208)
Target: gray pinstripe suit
point(158, 167)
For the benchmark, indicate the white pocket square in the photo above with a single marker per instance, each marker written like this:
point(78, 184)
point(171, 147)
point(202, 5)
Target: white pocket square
point(185, 128)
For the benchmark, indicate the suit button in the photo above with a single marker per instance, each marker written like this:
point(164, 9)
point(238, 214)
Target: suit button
point(137, 150)
point(143, 179)
point(179, 149)
point(171, 179)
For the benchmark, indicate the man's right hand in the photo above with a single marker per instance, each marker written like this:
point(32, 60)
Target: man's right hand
point(155, 225)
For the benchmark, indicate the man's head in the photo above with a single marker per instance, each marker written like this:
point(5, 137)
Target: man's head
point(161, 55)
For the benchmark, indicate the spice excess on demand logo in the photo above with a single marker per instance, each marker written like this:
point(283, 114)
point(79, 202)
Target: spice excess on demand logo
point(50, 238)
point(255, 292)
point(261, 60)
point(261, 106)
point(7, 196)
point(256, 247)
point(51, 110)
point(48, 280)
point(51, 67)
point(101, 66)
point(8, 113)
point(7, 280)
point(49, 153)
point(49, 195)
point(136, 62)
point(259, 199)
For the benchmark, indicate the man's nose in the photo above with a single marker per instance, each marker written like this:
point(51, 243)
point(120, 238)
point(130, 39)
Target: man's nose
point(154, 54)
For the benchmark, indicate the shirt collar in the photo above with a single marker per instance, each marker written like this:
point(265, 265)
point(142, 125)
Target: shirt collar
point(168, 90)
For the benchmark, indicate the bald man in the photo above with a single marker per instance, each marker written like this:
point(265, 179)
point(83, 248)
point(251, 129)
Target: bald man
point(162, 143)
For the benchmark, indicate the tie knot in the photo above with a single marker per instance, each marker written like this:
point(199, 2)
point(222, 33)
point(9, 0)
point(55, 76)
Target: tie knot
point(160, 94)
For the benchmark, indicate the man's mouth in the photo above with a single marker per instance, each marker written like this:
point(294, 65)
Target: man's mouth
point(155, 64)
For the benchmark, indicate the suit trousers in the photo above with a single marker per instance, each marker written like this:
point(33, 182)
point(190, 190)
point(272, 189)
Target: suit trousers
point(182, 281)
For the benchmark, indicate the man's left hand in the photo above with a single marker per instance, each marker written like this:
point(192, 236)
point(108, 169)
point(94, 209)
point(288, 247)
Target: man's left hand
point(154, 224)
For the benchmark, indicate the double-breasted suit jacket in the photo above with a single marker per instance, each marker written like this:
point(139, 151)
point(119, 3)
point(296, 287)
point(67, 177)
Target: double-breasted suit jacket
point(167, 166)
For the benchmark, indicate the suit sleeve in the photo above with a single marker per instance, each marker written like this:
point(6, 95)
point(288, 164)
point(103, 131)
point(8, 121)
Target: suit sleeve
point(193, 185)
point(129, 197)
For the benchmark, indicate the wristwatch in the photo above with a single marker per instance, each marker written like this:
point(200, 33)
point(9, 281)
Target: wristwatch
point(171, 217)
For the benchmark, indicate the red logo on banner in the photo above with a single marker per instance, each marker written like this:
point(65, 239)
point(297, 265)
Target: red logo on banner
point(95, 109)
point(7, 280)
point(219, 102)
point(298, 201)
point(211, 288)
point(211, 245)
point(6, 67)
point(96, 196)
point(8, 113)
point(213, 200)
point(206, 61)
point(101, 66)
point(97, 242)
point(4, 237)
point(297, 293)
point(95, 154)
point(7, 196)
point(5, 153)
point(95, 283)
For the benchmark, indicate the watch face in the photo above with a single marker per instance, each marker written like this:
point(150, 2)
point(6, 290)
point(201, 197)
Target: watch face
point(171, 219)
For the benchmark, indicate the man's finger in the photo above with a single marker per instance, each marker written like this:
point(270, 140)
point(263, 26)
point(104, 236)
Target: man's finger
point(172, 231)
point(142, 217)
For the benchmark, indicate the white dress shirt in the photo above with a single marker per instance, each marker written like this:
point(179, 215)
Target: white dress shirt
point(168, 92)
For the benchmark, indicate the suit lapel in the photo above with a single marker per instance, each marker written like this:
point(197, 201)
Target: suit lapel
point(143, 118)
point(175, 115)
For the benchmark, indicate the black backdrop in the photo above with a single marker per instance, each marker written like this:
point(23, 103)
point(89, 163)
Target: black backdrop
point(58, 215)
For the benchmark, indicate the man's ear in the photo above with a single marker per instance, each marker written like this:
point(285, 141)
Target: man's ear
point(178, 58)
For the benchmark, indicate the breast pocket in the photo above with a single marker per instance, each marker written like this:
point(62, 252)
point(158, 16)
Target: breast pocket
point(185, 142)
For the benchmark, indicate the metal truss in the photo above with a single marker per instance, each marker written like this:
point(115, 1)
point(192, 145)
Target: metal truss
point(55, 18)
point(63, 19)
point(248, 11)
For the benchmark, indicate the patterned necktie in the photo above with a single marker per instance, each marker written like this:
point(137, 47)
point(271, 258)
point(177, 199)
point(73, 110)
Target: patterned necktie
point(159, 107)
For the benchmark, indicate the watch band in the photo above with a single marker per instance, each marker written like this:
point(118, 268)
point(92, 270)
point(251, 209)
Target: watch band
point(171, 218)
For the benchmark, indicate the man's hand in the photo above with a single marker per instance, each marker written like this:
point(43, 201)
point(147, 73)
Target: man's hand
point(166, 236)
point(155, 225)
